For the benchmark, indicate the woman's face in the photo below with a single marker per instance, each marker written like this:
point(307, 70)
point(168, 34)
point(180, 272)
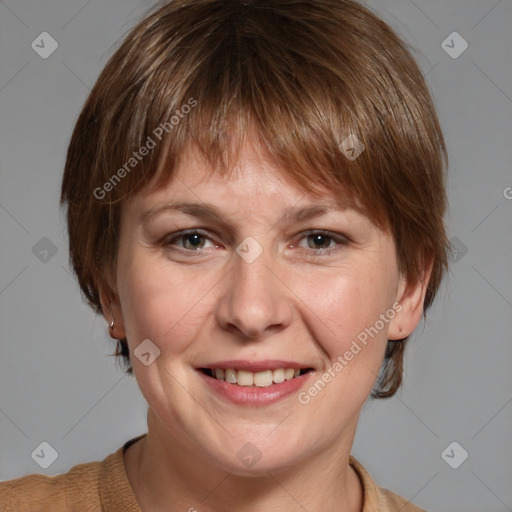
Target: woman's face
point(274, 279)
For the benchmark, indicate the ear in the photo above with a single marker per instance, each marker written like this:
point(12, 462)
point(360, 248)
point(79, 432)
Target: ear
point(410, 296)
point(111, 309)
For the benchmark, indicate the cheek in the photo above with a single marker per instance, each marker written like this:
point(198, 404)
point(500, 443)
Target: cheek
point(340, 307)
point(345, 320)
point(164, 306)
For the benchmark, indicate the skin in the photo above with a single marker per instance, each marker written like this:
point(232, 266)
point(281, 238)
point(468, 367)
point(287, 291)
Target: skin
point(297, 301)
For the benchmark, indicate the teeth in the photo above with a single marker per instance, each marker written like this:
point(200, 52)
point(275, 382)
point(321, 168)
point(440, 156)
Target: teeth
point(245, 378)
point(278, 376)
point(230, 376)
point(258, 379)
point(262, 379)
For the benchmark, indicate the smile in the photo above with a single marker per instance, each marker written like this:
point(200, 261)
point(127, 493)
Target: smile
point(254, 384)
point(260, 379)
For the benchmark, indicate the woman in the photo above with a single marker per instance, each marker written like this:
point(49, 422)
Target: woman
point(255, 199)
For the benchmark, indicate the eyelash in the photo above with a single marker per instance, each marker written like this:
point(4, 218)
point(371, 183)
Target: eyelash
point(338, 238)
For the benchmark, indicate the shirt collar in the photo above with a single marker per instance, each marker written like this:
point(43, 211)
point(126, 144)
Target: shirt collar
point(115, 490)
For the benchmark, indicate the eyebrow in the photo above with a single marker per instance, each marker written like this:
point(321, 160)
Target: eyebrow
point(208, 211)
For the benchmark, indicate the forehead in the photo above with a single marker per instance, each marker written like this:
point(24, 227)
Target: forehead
point(253, 176)
point(255, 188)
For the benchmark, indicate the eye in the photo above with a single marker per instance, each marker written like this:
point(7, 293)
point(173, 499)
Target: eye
point(189, 240)
point(321, 241)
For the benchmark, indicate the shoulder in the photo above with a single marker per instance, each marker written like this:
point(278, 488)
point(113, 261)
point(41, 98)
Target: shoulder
point(395, 502)
point(75, 490)
point(377, 498)
point(90, 487)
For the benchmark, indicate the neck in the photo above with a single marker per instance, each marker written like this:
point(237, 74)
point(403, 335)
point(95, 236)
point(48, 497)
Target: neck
point(164, 472)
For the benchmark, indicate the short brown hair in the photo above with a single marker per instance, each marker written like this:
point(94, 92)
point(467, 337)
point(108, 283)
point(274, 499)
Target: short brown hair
point(305, 76)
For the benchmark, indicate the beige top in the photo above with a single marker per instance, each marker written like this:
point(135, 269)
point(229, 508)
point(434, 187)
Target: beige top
point(104, 487)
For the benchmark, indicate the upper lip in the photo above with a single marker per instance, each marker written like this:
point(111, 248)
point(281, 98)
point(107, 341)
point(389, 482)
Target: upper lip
point(256, 366)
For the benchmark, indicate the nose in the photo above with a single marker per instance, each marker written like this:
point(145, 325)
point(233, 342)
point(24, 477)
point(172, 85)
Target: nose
point(255, 301)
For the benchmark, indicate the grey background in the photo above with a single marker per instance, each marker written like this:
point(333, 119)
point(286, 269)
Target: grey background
point(58, 385)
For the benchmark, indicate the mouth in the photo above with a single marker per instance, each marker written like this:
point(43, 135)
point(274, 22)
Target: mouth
point(263, 378)
point(251, 383)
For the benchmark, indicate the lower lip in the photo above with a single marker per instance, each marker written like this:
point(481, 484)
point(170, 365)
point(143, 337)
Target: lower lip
point(253, 395)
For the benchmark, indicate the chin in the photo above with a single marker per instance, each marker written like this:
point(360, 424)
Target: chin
point(252, 458)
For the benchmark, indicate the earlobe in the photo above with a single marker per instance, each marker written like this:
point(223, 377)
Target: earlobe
point(111, 310)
